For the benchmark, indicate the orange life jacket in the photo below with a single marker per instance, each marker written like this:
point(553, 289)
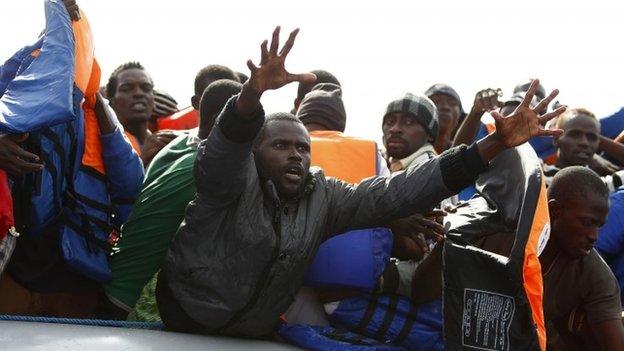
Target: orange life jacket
point(187, 118)
point(347, 158)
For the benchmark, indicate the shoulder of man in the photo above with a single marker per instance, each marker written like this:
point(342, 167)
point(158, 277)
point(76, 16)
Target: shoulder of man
point(601, 293)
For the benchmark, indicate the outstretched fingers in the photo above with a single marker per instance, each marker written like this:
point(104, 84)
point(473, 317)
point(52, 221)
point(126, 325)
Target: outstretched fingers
point(497, 116)
point(526, 102)
point(289, 43)
point(550, 132)
point(251, 66)
point(550, 115)
point(264, 53)
point(275, 42)
point(302, 77)
point(546, 101)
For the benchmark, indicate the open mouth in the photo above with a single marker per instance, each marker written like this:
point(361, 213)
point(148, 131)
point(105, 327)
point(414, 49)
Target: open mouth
point(294, 173)
point(138, 107)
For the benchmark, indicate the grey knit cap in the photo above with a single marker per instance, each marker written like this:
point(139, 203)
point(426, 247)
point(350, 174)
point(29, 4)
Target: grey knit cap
point(421, 108)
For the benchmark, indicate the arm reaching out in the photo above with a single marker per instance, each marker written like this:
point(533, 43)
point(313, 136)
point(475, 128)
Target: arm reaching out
point(519, 127)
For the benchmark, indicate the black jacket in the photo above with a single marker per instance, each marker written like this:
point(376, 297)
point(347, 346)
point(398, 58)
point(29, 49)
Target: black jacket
point(241, 253)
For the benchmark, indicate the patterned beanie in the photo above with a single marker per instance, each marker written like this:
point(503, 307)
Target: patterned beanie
point(421, 109)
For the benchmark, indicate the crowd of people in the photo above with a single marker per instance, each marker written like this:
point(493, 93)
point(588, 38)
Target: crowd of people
point(210, 218)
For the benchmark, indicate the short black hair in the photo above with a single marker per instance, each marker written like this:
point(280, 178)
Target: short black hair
point(212, 73)
point(576, 182)
point(214, 98)
point(111, 86)
point(273, 117)
point(321, 77)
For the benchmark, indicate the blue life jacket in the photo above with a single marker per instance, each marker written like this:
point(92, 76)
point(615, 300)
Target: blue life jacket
point(392, 319)
point(329, 339)
point(368, 254)
point(42, 94)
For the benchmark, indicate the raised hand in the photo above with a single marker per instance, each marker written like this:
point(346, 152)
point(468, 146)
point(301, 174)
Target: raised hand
point(272, 74)
point(526, 122)
point(486, 100)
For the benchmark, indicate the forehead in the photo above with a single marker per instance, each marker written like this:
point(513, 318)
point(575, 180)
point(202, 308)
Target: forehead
point(589, 203)
point(439, 97)
point(133, 75)
point(286, 130)
point(582, 122)
point(399, 116)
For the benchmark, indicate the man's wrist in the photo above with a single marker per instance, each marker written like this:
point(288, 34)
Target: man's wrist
point(476, 112)
point(490, 146)
point(248, 101)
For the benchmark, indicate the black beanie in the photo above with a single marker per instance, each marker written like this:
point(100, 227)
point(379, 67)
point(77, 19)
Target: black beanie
point(441, 88)
point(323, 105)
point(419, 107)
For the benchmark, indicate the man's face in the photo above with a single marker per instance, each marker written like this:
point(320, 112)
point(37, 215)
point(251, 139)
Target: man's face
point(283, 156)
point(402, 135)
point(134, 99)
point(575, 224)
point(579, 141)
point(448, 112)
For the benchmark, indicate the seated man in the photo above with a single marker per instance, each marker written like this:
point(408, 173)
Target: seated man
point(260, 213)
point(581, 297)
point(159, 210)
point(579, 288)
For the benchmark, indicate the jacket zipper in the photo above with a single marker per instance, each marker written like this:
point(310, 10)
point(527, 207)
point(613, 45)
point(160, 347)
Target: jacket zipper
point(277, 227)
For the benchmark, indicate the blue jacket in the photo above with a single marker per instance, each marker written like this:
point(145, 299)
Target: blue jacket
point(610, 242)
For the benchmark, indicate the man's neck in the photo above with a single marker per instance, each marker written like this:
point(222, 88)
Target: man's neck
point(548, 256)
point(138, 130)
point(442, 143)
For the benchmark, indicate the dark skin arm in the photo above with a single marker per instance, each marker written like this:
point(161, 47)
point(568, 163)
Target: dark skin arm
point(409, 244)
point(612, 148)
point(105, 121)
point(609, 334)
point(269, 75)
point(485, 100)
point(154, 143)
point(15, 160)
